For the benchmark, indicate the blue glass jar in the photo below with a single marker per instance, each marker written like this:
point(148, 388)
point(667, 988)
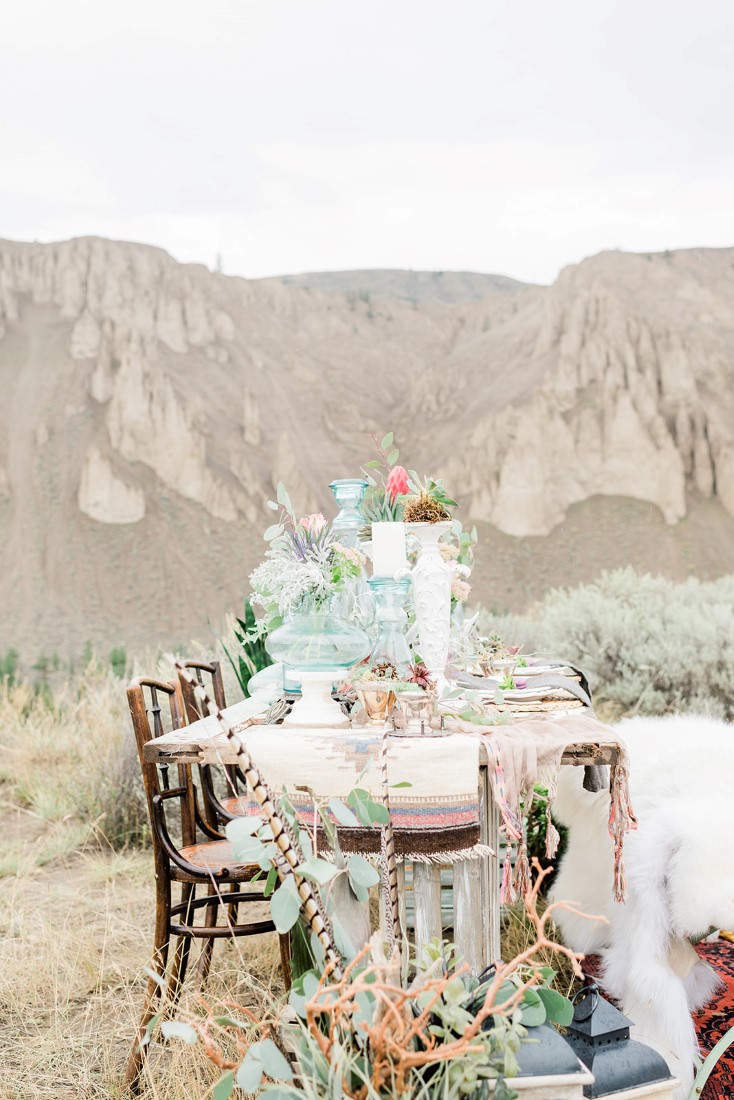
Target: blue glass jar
point(348, 493)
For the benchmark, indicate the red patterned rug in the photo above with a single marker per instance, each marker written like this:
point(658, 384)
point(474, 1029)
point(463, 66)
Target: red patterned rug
point(712, 1022)
point(717, 1018)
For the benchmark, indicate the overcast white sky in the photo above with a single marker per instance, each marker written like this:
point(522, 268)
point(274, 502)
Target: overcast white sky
point(301, 135)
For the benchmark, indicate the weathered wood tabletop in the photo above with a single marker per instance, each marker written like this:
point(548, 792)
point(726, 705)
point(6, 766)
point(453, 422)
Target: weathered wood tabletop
point(203, 742)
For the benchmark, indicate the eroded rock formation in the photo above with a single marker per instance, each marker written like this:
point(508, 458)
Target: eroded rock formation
point(145, 395)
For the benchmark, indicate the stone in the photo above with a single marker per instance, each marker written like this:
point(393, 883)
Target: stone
point(105, 497)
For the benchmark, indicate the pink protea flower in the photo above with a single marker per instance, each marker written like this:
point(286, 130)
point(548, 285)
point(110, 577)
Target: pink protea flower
point(397, 482)
point(314, 523)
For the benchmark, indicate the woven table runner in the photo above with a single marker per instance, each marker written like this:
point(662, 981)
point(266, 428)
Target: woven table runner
point(435, 818)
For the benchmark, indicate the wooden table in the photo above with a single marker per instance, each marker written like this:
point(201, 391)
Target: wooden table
point(476, 882)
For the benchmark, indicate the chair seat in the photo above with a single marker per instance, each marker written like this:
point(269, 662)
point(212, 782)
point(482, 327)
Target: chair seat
point(238, 806)
point(213, 857)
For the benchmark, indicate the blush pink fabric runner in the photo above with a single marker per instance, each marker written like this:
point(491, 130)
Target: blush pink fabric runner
point(531, 746)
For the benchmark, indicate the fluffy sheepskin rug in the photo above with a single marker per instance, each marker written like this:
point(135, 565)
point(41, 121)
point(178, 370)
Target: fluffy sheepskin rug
point(680, 877)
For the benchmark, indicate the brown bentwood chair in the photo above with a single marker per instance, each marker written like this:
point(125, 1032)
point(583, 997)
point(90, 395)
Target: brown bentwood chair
point(189, 862)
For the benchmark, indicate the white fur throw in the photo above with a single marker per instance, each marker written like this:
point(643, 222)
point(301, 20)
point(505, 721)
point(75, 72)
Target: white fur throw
point(680, 877)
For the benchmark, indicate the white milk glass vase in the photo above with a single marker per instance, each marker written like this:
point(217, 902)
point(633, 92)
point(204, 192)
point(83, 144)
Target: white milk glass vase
point(432, 577)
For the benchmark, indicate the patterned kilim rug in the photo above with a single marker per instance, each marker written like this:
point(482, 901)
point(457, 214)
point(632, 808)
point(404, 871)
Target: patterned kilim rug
point(711, 1023)
point(717, 1018)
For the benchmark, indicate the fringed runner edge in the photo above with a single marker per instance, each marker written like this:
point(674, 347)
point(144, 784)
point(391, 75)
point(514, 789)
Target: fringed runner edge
point(621, 820)
point(515, 881)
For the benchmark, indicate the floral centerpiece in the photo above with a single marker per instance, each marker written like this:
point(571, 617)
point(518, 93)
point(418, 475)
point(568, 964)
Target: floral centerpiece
point(305, 565)
point(304, 569)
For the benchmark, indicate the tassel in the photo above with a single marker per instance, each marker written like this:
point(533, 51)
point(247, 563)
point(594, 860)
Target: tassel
point(552, 836)
point(522, 871)
point(621, 820)
point(508, 895)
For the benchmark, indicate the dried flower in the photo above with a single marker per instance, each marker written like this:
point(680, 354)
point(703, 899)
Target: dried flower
point(397, 482)
point(460, 589)
point(350, 553)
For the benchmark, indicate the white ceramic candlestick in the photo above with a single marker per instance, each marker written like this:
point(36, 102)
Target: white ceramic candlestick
point(432, 577)
point(388, 549)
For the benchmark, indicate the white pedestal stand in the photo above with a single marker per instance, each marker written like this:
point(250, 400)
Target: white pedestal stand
point(316, 708)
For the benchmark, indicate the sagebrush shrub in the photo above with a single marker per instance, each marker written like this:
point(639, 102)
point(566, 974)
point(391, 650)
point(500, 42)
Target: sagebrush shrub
point(648, 645)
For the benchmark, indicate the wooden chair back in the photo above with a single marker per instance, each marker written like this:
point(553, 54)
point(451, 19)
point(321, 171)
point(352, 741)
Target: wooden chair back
point(211, 670)
point(162, 790)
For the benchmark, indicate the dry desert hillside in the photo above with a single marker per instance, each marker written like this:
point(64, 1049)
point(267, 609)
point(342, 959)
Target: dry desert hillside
point(150, 406)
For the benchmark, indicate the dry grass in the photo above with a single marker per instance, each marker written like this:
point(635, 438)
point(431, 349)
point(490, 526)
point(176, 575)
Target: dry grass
point(75, 937)
point(69, 759)
point(518, 933)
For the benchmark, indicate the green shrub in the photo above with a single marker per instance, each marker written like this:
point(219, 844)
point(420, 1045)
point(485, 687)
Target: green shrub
point(648, 645)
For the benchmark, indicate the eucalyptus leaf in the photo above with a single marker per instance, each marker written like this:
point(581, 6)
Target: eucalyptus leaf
point(248, 849)
point(310, 985)
point(387, 441)
point(242, 827)
point(250, 1073)
point(318, 870)
point(273, 532)
point(232, 1021)
point(559, 1009)
point(341, 937)
point(393, 457)
point(274, 1061)
point(285, 907)
point(362, 872)
point(366, 809)
point(342, 813)
point(373, 464)
point(176, 1029)
point(533, 1009)
point(270, 881)
point(224, 1087)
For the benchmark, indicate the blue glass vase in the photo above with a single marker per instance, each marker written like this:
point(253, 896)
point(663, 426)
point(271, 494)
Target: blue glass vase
point(348, 493)
point(390, 646)
point(316, 647)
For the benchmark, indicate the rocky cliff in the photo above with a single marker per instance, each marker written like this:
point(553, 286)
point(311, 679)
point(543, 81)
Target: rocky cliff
point(149, 408)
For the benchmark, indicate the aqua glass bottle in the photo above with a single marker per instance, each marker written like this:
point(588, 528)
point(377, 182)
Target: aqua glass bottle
point(355, 601)
point(390, 646)
point(348, 492)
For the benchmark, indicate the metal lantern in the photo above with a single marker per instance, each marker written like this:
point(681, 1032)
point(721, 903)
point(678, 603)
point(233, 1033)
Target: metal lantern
point(545, 1054)
point(600, 1036)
